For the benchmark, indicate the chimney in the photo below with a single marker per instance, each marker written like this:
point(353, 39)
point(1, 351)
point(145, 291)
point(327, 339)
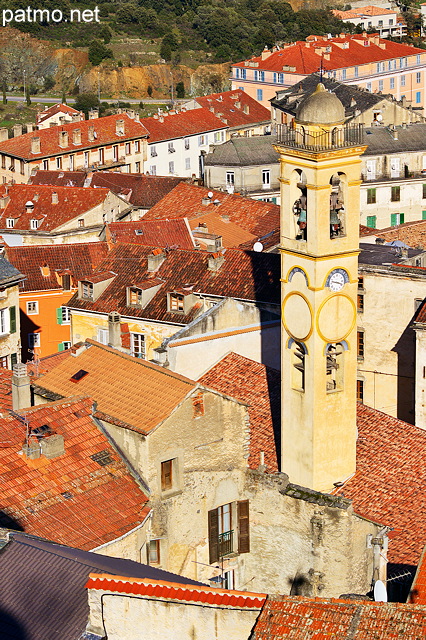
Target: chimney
point(131, 113)
point(215, 261)
point(17, 130)
point(30, 128)
point(93, 114)
point(4, 201)
point(266, 53)
point(404, 252)
point(76, 117)
point(55, 198)
point(137, 117)
point(76, 136)
point(119, 127)
point(35, 145)
point(114, 330)
point(29, 206)
point(52, 446)
point(4, 134)
point(21, 387)
point(156, 259)
point(161, 118)
point(91, 133)
point(63, 139)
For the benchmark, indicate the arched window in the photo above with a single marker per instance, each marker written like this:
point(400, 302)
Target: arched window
point(334, 357)
point(300, 206)
point(337, 207)
point(299, 353)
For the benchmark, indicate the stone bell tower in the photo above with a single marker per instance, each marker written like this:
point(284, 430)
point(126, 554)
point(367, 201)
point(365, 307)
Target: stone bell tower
point(320, 185)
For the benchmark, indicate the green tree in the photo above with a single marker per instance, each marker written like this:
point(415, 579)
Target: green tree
point(166, 50)
point(149, 90)
point(180, 90)
point(85, 102)
point(98, 52)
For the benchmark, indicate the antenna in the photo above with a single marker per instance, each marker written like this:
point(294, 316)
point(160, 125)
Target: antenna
point(380, 593)
point(210, 194)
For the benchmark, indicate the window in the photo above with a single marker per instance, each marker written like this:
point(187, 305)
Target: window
point(380, 23)
point(3, 162)
point(4, 321)
point(63, 346)
point(45, 165)
point(153, 170)
point(243, 74)
point(187, 163)
point(418, 97)
point(417, 56)
point(368, 86)
point(230, 178)
point(21, 165)
point(418, 77)
point(424, 191)
point(63, 315)
point(153, 552)
point(87, 290)
point(153, 152)
point(224, 537)
point(402, 63)
point(371, 221)
point(137, 167)
point(298, 369)
point(371, 196)
point(356, 71)
point(266, 179)
point(135, 297)
point(168, 467)
point(59, 162)
point(360, 345)
point(3, 362)
point(176, 302)
point(170, 147)
point(137, 146)
point(380, 85)
point(33, 224)
point(103, 335)
point(115, 153)
point(127, 148)
point(259, 95)
point(81, 222)
point(237, 73)
point(186, 143)
point(32, 308)
point(343, 74)
point(10, 223)
point(395, 194)
point(402, 81)
point(137, 344)
point(392, 83)
point(202, 140)
point(417, 303)
point(33, 340)
point(360, 391)
point(396, 219)
point(360, 302)
point(334, 367)
point(171, 167)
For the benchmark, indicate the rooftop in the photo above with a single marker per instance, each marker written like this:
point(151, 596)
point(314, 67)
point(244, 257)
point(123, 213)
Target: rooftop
point(181, 124)
point(156, 233)
point(105, 131)
point(347, 50)
point(9, 274)
point(381, 254)
point(118, 397)
point(299, 618)
point(260, 388)
point(236, 107)
point(367, 11)
point(382, 140)
point(412, 234)
point(70, 497)
point(54, 109)
point(243, 152)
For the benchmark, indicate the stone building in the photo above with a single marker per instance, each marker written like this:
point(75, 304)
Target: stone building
point(10, 341)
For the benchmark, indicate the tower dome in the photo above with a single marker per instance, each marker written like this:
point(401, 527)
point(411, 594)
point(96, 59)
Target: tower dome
point(321, 107)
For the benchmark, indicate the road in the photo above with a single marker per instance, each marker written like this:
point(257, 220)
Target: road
point(35, 99)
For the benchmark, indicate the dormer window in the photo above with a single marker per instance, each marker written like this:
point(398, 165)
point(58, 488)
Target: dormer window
point(87, 290)
point(176, 302)
point(10, 223)
point(33, 224)
point(135, 297)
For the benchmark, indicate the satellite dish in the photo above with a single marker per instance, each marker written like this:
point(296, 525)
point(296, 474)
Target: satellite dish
point(380, 593)
point(210, 194)
point(258, 246)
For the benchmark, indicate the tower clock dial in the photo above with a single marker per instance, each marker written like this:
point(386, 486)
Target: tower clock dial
point(337, 280)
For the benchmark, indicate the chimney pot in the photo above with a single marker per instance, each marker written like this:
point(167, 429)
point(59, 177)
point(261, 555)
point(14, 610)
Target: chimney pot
point(35, 145)
point(21, 387)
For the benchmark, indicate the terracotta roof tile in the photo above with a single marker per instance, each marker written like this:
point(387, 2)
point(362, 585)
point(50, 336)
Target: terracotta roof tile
point(157, 233)
point(298, 618)
point(72, 202)
point(243, 274)
point(119, 396)
point(181, 124)
point(303, 57)
point(259, 387)
point(5, 390)
point(76, 259)
point(237, 107)
point(185, 200)
point(58, 498)
point(417, 593)
point(54, 109)
point(105, 129)
point(412, 233)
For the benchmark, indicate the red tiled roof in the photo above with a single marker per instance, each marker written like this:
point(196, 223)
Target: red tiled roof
point(231, 104)
point(243, 274)
point(303, 57)
point(388, 485)
point(259, 387)
point(412, 233)
point(155, 233)
point(59, 178)
point(421, 313)
point(54, 109)
point(176, 591)
point(105, 129)
point(363, 11)
point(299, 618)
point(417, 593)
point(185, 200)
point(70, 498)
point(77, 259)
point(5, 389)
point(46, 364)
point(366, 231)
point(181, 124)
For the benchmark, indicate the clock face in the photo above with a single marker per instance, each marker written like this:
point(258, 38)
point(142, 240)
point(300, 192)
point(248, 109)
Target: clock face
point(336, 281)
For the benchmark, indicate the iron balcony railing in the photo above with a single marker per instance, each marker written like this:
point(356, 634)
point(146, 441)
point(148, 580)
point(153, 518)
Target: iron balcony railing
point(225, 543)
point(339, 137)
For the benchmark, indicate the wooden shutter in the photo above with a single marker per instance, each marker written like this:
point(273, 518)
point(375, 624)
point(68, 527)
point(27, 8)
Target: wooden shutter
point(13, 358)
point(12, 312)
point(166, 475)
point(243, 527)
point(213, 536)
point(59, 315)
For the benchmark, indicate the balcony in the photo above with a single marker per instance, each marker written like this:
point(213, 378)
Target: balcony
point(347, 136)
point(226, 543)
point(388, 177)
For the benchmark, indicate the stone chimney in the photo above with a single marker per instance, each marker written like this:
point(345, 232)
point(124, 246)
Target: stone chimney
point(35, 145)
point(156, 259)
point(266, 53)
point(4, 201)
point(52, 446)
point(55, 198)
point(114, 330)
point(17, 130)
point(76, 136)
point(31, 128)
point(4, 134)
point(215, 261)
point(91, 133)
point(93, 114)
point(63, 139)
point(21, 387)
point(119, 127)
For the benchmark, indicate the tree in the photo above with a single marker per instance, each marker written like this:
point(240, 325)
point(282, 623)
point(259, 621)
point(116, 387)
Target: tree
point(86, 102)
point(4, 93)
point(27, 96)
point(98, 52)
point(149, 90)
point(165, 50)
point(180, 90)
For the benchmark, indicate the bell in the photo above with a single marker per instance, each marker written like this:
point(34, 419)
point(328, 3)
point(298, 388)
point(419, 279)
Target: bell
point(334, 218)
point(302, 217)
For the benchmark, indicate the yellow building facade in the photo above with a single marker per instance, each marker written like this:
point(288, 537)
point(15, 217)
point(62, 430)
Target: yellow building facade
point(320, 184)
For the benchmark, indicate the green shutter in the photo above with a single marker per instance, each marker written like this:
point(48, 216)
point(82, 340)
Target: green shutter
point(12, 313)
point(423, 215)
point(401, 218)
point(371, 221)
point(61, 346)
point(59, 315)
point(393, 219)
point(274, 200)
point(13, 359)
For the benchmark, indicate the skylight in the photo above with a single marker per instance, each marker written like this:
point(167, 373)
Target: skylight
point(79, 375)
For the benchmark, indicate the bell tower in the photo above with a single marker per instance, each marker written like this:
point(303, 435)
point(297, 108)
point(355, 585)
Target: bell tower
point(320, 183)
